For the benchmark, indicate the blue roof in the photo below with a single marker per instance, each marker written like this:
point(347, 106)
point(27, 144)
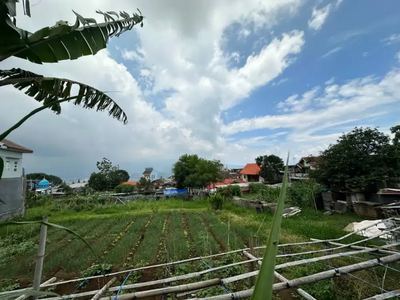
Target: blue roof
point(44, 182)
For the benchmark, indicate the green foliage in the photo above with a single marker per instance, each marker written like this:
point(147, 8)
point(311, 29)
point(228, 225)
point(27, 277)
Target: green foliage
point(190, 171)
point(96, 269)
point(269, 194)
point(266, 277)
point(358, 161)
point(270, 168)
point(124, 188)
point(108, 177)
point(144, 185)
point(34, 200)
point(256, 187)
point(216, 201)
point(55, 180)
point(230, 191)
point(8, 285)
point(303, 193)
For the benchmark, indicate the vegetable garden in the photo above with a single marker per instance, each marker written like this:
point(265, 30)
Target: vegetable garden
point(125, 237)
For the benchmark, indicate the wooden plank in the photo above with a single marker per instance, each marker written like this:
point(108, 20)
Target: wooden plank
point(51, 280)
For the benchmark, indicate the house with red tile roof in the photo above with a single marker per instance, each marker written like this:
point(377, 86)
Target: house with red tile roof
point(250, 173)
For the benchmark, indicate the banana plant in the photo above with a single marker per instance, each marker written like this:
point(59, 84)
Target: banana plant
point(53, 44)
point(265, 279)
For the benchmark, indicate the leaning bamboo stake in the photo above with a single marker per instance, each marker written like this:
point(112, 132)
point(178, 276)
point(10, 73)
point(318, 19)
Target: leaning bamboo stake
point(104, 289)
point(40, 255)
point(312, 278)
point(154, 282)
point(306, 261)
point(51, 280)
point(168, 290)
point(361, 247)
point(384, 296)
point(300, 291)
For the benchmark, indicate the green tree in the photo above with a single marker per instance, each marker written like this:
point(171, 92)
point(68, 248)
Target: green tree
point(109, 176)
point(183, 168)
point(144, 185)
point(53, 44)
point(55, 180)
point(98, 182)
point(270, 168)
point(396, 131)
point(358, 161)
point(190, 171)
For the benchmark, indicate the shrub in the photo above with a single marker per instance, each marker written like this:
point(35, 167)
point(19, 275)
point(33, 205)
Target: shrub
point(269, 194)
point(236, 190)
point(256, 187)
point(302, 193)
point(230, 191)
point(97, 269)
point(33, 199)
point(216, 201)
point(124, 188)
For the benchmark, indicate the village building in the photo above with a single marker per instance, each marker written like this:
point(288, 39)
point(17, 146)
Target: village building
point(250, 173)
point(150, 174)
point(13, 181)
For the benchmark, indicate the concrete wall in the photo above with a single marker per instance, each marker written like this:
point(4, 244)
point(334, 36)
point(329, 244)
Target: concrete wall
point(12, 193)
point(12, 163)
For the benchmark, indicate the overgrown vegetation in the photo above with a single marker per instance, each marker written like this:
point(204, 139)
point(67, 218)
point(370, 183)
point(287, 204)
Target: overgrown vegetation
point(230, 191)
point(216, 201)
point(125, 188)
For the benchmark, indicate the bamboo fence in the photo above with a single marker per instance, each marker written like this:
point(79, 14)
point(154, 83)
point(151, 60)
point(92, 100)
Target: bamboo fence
point(179, 285)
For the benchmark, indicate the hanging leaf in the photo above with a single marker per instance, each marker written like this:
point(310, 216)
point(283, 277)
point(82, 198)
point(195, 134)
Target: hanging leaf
point(62, 41)
point(49, 90)
point(265, 278)
point(1, 166)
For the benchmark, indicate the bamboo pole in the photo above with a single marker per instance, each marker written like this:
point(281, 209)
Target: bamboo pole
point(252, 266)
point(312, 278)
point(104, 289)
point(300, 291)
point(40, 255)
point(384, 296)
point(23, 297)
point(304, 261)
point(154, 282)
point(167, 290)
point(144, 268)
point(362, 247)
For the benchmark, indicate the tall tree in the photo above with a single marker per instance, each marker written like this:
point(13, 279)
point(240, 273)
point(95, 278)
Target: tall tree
point(144, 185)
point(53, 44)
point(190, 171)
point(358, 160)
point(109, 176)
point(270, 168)
point(183, 168)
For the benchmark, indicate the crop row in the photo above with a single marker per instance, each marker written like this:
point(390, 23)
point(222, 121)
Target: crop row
point(203, 242)
point(176, 242)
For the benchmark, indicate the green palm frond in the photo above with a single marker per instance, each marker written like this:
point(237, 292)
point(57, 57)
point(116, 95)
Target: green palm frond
point(50, 90)
point(62, 41)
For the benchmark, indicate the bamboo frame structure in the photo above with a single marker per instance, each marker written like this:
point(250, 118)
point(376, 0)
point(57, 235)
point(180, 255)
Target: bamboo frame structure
point(182, 288)
point(384, 296)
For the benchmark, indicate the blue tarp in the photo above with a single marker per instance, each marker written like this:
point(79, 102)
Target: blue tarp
point(173, 192)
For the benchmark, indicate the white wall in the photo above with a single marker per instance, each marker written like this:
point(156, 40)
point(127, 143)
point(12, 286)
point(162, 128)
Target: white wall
point(12, 161)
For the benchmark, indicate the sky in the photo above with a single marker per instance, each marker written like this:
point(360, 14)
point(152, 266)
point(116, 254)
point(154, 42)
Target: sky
point(227, 80)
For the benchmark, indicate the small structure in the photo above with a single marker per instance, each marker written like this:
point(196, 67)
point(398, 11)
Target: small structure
point(43, 187)
point(130, 183)
point(150, 174)
point(13, 181)
point(250, 173)
point(306, 164)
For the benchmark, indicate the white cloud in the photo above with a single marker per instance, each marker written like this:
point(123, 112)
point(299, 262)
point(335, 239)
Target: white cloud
point(358, 99)
point(298, 104)
point(283, 80)
point(178, 51)
point(333, 51)
point(318, 17)
point(394, 38)
point(398, 56)
point(244, 33)
point(330, 81)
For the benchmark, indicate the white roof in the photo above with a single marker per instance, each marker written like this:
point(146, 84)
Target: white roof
point(77, 185)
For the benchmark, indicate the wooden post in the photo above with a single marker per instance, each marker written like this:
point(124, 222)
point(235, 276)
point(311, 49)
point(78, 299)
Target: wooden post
point(251, 264)
point(40, 255)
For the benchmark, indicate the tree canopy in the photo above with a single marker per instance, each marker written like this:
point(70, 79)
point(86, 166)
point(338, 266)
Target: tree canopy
point(359, 160)
point(190, 171)
point(55, 180)
point(144, 185)
point(108, 177)
point(270, 168)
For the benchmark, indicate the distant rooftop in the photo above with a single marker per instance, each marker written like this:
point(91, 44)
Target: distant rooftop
point(8, 145)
